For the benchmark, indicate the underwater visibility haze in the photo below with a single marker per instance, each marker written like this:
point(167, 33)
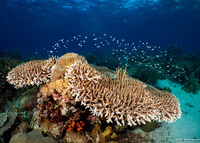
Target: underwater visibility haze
point(103, 71)
point(29, 25)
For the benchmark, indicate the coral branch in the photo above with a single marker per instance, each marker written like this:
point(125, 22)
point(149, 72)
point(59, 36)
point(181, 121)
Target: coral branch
point(124, 99)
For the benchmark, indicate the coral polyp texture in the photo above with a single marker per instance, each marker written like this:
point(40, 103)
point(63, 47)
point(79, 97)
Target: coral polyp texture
point(123, 100)
point(31, 73)
point(114, 97)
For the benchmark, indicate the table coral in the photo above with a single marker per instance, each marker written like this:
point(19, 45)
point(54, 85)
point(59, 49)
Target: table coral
point(31, 73)
point(123, 100)
point(77, 91)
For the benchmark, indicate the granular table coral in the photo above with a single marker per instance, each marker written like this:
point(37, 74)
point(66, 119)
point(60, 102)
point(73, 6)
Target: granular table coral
point(123, 99)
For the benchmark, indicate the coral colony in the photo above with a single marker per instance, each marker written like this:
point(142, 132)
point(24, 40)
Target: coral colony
point(75, 98)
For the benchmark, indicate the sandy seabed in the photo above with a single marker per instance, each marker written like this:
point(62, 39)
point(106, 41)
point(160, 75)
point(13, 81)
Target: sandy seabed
point(187, 128)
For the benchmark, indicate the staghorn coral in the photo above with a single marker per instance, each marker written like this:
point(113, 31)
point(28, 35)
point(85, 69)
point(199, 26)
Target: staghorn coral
point(124, 99)
point(31, 73)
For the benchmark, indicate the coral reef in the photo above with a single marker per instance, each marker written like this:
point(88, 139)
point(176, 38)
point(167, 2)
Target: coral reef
point(174, 50)
point(104, 70)
point(185, 72)
point(192, 84)
point(59, 68)
point(145, 73)
point(118, 99)
point(76, 97)
point(102, 60)
point(31, 73)
point(197, 72)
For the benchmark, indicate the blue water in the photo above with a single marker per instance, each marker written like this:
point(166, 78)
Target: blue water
point(32, 25)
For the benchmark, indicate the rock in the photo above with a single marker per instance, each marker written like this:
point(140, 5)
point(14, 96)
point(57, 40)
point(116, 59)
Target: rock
point(34, 136)
point(149, 126)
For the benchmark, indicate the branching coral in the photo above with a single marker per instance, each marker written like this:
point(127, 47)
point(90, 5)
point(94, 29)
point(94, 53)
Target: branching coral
point(104, 70)
point(31, 73)
point(124, 100)
point(117, 98)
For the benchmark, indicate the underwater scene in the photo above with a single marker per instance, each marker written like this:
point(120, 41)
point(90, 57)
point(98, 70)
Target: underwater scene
point(99, 71)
